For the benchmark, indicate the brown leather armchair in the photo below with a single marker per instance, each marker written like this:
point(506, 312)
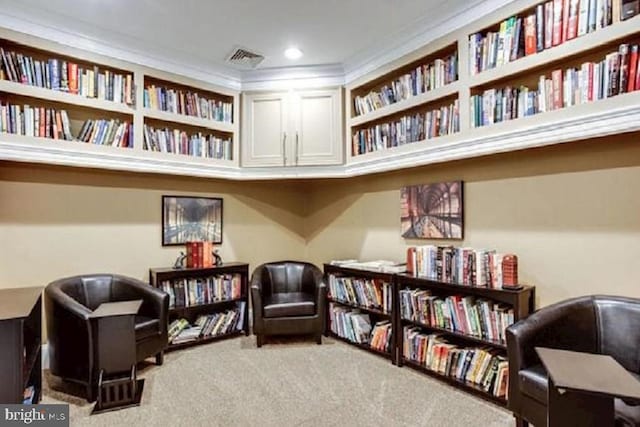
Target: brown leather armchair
point(288, 298)
point(69, 303)
point(593, 324)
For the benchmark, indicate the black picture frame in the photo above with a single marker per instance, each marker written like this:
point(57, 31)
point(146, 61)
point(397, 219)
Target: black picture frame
point(204, 217)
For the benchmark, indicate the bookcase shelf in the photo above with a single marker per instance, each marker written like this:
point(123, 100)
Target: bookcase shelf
point(20, 343)
point(359, 307)
point(181, 119)
point(456, 335)
point(158, 276)
point(365, 347)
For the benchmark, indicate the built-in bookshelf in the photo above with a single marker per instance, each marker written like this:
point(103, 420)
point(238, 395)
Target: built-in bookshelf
point(511, 63)
point(21, 345)
point(453, 332)
point(205, 304)
point(69, 106)
point(361, 309)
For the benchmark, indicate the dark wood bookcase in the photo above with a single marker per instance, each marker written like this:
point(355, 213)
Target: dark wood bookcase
point(522, 302)
point(158, 275)
point(20, 343)
point(376, 314)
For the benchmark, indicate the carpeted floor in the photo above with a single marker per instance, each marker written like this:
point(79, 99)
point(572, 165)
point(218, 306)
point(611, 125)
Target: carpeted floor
point(287, 383)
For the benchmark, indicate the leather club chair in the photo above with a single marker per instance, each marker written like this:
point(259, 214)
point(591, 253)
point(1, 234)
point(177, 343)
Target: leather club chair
point(69, 302)
point(592, 324)
point(288, 298)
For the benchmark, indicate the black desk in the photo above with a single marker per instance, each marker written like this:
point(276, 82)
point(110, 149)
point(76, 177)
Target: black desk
point(582, 387)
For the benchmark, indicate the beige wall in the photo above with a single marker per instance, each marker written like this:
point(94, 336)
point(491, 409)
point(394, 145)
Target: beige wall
point(571, 213)
point(56, 222)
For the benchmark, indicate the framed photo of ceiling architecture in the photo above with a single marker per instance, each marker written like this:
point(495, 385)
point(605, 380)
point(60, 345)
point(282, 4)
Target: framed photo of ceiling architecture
point(432, 211)
point(187, 219)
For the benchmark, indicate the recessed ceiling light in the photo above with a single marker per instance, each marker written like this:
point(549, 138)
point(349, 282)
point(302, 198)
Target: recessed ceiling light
point(293, 53)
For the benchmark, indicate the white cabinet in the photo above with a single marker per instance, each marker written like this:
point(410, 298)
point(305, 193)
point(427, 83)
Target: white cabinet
point(295, 128)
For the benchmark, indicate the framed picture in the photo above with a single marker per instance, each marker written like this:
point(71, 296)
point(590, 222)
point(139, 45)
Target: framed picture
point(432, 211)
point(187, 219)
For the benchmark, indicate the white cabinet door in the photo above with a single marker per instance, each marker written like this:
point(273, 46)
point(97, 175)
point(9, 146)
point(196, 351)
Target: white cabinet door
point(317, 120)
point(265, 129)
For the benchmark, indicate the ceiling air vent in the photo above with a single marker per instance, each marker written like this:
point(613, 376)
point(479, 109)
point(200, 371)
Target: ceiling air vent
point(244, 58)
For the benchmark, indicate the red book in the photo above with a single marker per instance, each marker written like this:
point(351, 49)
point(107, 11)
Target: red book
point(41, 113)
point(633, 69)
point(411, 259)
point(556, 37)
point(72, 69)
point(566, 5)
point(189, 248)
point(572, 20)
point(591, 67)
point(548, 24)
point(556, 79)
point(530, 35)
point(624, 68)
point(200, 246)
point(58, 134)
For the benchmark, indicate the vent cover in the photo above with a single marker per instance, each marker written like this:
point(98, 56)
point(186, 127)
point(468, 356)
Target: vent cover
point(244, 58)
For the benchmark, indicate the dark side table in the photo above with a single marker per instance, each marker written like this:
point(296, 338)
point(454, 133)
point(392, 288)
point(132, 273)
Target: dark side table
point(582, 387)
point(113, 324)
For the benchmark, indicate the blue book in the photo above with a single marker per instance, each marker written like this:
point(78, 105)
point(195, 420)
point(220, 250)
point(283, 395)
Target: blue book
point(54, 74)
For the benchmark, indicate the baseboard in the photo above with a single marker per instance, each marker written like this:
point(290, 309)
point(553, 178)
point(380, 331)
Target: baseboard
point(45, 356)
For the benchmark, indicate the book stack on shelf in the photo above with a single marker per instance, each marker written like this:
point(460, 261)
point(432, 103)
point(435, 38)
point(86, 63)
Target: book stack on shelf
point(208, 326)
point(362, 292)
point(34, 121)
point(196, 144)
point(66, 76)
point(187, 103)
point(355, 326)
point(205, 304)
point(423, 78)
point(548, 25)
point(112, 132)
point(481, 368)
point(616, 73)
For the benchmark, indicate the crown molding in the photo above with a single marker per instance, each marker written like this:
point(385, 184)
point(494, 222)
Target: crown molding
point(225, 77)
point(311, 76)
point(415, 37)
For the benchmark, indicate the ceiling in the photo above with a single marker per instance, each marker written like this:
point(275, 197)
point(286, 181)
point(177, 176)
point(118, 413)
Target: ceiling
point(201, 33)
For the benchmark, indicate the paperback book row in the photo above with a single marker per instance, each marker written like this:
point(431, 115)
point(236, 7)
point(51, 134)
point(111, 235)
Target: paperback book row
point(179, 142)
point(617, 73)
point(197, 291)
point(50, 123)
point(356, 327)
point(550, 24)
point(187, 103)
point(368, 293)
point(481, 367)
point(462, 266)
point(477, 318)
point(423, 78)
point(412, 128)
point(65, 76)
point(207, 326)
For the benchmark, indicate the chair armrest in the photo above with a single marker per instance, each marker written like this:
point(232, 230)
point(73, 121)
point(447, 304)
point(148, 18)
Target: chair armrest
point(155, 302)
point(256, 299)
point(67, 303)
point(321, 291)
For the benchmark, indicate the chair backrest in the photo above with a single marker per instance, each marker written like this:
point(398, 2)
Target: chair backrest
point(288, 276)
point(619, 329)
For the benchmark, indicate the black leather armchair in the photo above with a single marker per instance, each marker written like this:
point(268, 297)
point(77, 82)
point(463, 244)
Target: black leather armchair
point(288, 298)
point(593, 324)
point(69, 303)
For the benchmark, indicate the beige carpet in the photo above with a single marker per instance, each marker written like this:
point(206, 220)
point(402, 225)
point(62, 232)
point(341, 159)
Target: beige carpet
point(288, 383)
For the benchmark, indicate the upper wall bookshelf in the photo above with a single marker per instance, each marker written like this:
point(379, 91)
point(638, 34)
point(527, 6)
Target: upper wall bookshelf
point(89, 106)
point(586, 38)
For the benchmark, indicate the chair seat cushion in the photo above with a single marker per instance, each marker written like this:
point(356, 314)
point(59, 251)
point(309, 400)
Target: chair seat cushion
point(289, 304)
point(146, 327)
point(534, 382)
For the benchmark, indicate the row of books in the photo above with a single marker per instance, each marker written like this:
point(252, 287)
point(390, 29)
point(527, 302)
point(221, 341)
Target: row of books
point(368, 293)
point(408, 129)
point(478, 318)
point(187, 103)
point(550, 24)
point(206, 326)
point(35, 121)
point(112, 132)
point(356, 327)
point(176, 141)
point(423, 78)
point(617, 73)
point(478, 366)
point(65, 76)
point(196, 291)
point(462, 266)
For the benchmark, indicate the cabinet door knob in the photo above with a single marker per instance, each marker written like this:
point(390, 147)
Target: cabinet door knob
point(284, 149)
point(297, 148)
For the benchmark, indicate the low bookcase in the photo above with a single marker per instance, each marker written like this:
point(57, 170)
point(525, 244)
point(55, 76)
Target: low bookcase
point(203, 302)
point(21, 345)
point(381, 312)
